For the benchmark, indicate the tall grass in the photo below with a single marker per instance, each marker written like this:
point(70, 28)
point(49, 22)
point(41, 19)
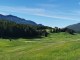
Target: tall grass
point(57, 46)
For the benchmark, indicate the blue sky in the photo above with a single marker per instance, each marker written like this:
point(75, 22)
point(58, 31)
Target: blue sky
point(52, 13)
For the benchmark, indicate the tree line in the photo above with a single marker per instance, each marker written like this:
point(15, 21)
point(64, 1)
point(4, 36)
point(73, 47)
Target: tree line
point(57, 30)
point(9, 29)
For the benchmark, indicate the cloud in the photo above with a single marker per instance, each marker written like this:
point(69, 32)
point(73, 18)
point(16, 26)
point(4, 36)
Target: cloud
point(21, 9)
point(47, 5)
point(37, 12)
point(59, 17)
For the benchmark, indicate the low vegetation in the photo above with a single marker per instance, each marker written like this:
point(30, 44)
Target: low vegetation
point(57, 46)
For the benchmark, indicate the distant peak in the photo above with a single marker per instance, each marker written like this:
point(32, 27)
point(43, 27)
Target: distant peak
point(17, 19)
point(11, 15)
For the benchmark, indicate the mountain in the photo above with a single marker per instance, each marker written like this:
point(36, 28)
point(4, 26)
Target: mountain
point(17, 19)
point(75, 27)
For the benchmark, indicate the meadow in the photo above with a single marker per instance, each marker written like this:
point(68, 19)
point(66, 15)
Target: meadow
point(57, 46)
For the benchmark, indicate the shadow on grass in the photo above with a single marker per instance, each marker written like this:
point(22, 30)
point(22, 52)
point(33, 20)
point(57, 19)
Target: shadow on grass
point(36, 38)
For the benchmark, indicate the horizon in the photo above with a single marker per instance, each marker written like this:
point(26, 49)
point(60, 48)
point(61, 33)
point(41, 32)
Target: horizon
point(53, 13)
point(35, 22)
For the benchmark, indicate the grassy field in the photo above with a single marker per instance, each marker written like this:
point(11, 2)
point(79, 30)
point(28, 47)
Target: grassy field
point(58, 46)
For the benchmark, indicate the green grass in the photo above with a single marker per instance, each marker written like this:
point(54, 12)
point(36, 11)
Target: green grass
point(58, 46)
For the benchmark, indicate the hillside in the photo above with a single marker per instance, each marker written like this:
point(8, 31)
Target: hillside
point(58, 46)
point(75, 27)
point(16, 19)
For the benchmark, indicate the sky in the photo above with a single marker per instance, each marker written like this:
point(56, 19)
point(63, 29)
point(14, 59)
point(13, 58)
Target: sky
point(59, 13)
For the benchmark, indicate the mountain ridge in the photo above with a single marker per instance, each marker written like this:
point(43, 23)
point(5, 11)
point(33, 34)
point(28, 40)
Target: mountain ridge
point(75, 27)
point(17, 19)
